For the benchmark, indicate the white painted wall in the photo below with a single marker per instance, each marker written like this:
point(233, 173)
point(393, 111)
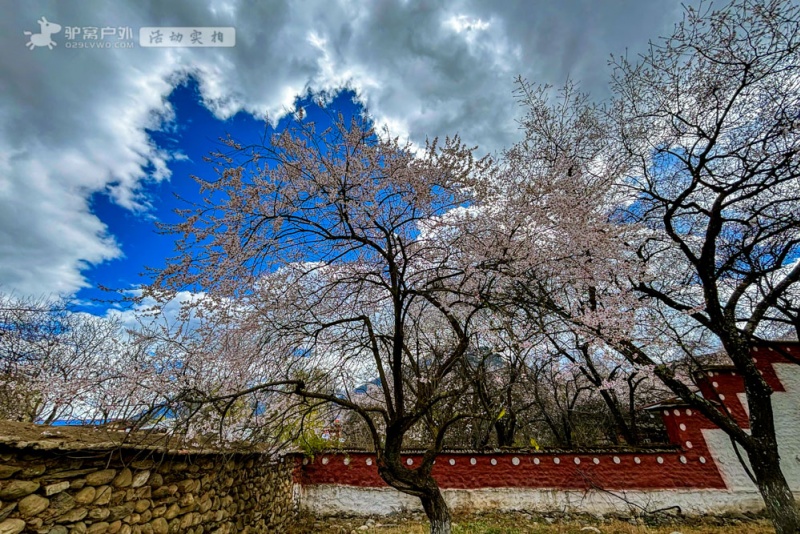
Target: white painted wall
point(786, 406)
point(741, 494)
point(333, 499)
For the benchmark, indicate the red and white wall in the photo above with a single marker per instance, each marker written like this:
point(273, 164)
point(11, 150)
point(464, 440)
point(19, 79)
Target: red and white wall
point(702, 474)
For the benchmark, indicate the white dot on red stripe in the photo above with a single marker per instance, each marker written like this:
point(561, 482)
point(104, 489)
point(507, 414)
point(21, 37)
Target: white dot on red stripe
point(346, 461)
point(410, 461)
point(473, 461)
point(660, 460)
point(596, 460)
point(683, 459)
point(702, 460)
point(556, 460)
point(325, 461)
point(369, 461)
point(682, 426)
point(616, 459)
point(493, 461)
point(689, 412)
point(677, 412)
point(577, 461)
point(689, 445)
point(452, 462)
point(536, 461)
point(515, 460)
point(637, 459)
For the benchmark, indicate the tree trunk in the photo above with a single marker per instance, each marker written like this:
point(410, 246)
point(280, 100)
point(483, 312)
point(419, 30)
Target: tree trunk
point(619, 419)
point(417, 482)
point(506, 430)
point(765, 460)
point(774, 489)
point(437, 511)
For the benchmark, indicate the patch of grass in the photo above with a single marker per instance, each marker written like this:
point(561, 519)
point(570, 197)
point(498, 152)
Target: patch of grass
point(528, 524)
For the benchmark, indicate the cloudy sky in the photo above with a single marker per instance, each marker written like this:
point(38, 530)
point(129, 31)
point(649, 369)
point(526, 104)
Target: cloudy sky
point(95, 141)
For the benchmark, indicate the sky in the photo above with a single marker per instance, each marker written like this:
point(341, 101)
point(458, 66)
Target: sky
point(98, 134)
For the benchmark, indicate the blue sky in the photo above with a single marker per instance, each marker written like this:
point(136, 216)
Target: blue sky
point(192, 133)
point(94, 142)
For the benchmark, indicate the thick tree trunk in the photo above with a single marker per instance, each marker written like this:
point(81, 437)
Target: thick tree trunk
point(428, 492)
point(416, 482)
point(437, 511)
point(628, 435)
point(506, 430)
point(778, 498)
point(764, 458)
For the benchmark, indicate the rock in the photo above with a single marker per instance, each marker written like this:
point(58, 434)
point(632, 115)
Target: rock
point(99, 478)
point(97, 528)
point(6, 511)
point(186, 521)
point(34, 470)
point(12, 526)
point(123, 479)
point(7, 471)
point(58, 529)
point(59, 505)
point(103, 495)
point(73, 516)
point(172, 512)
point(595, 530)
point(140, 478)
point(141, 506)
point(32, 505)
point(120, 512)
point(99, 513)
point(52, 489)
point(17, 489)
point(156, 480)
point(86, 495)
point(159, 526)
point(78, 528)
point(143, 464)
point(363, 527)
point(163, 491)
point(70, 473)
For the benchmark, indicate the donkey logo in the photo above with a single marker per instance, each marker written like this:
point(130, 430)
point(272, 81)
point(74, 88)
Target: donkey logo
point(43, 37)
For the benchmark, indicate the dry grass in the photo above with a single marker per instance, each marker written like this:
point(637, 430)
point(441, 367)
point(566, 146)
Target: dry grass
point(525, 524)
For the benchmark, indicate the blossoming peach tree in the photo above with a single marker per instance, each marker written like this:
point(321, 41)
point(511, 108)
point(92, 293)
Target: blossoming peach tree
point(316, 246)
point(665, 222)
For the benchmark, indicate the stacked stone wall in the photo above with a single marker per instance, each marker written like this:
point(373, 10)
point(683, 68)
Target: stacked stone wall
point(133, 492)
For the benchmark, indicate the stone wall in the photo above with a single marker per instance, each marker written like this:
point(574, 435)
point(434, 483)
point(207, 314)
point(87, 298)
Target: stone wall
point(130, 492)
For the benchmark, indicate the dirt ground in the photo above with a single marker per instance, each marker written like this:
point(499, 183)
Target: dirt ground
point(539, 524)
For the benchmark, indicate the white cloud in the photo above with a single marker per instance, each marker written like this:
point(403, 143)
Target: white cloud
point(72, 122)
